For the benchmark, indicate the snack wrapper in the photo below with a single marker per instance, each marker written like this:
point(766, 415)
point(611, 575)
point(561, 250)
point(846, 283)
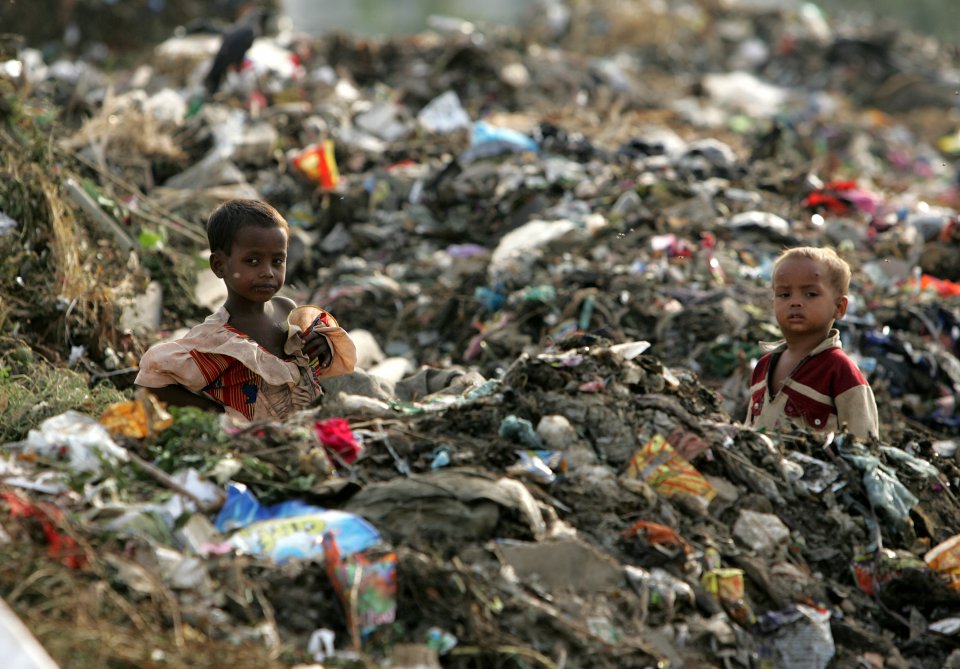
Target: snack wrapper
point(301, 537)
point(290, 529)
point(944, 558)
point(666, 472)
point(367, 587)
point(318, 163)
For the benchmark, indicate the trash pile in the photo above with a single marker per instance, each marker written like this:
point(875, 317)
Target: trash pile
point(552, 247)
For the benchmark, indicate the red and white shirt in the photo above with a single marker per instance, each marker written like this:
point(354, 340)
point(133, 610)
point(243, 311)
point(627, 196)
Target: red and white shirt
point(826, 392)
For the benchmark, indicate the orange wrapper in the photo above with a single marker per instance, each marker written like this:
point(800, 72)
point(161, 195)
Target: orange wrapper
point(944, 558)
point(137, 418)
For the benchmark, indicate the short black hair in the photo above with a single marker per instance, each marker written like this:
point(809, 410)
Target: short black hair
point(227, 219)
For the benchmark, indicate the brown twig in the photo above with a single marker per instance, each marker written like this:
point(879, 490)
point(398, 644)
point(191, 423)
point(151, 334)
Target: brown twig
point(168, 481)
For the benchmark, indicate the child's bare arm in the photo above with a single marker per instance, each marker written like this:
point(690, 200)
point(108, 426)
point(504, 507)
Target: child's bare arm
point(316, 346)
point(174, 395)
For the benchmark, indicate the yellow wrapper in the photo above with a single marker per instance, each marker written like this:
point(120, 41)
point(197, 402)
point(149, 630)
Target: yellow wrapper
point(724, 584)
point(668, 473)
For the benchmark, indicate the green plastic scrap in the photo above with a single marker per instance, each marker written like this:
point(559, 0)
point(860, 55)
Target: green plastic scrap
point(485, 389)
point(521, 430)
point(586, 312)
point(543, 294)
point(884, 489)
point(406, 408)
point(913, 464)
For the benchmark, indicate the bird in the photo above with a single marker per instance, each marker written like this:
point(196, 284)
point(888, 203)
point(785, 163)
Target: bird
point(234, 46)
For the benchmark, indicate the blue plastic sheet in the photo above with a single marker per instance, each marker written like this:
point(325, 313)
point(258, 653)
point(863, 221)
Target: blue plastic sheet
point(483, 132)
point(242, 508)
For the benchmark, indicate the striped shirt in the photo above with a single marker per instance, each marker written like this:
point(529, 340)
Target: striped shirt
point(826, 392)
point(219, 361)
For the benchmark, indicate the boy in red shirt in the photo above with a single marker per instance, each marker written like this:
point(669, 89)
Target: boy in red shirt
point(806, 380)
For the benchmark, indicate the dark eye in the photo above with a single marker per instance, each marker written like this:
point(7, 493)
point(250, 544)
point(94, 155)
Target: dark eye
point(252, 261)
point(279, 261)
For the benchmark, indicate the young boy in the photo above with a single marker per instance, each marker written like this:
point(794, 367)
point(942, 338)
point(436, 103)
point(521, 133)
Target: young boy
point(260, 356)
point(806, 379)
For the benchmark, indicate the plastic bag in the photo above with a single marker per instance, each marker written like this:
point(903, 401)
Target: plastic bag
point(538, 465)
point(77, 438)
point(916, 466)
point(884, 489)
point(816, 475)
point(290, 529)
point(367, 588)
point(764, 533)
point(520, 430)
point(800, 638)
point(242, 508)
point(444, 114)
point(301, 537)
point(944, 558)
point(668, 473)
point(52, 520)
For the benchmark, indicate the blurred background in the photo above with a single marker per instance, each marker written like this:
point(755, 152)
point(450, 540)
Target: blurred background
point(126, 25)
point(938, 17)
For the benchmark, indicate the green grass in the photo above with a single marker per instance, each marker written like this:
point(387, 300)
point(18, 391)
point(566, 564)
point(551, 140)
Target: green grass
point(32, 389)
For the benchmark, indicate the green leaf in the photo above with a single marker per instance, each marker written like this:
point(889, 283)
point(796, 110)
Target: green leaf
point(151, 239)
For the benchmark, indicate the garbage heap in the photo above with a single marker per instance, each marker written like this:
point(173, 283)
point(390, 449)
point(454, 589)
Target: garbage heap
point(552, 247)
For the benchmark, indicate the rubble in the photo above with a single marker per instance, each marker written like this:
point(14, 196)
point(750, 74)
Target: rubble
point(553, 246)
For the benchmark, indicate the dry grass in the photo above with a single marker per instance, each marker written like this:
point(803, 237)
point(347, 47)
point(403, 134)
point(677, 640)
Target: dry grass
point(59, 284)
point(122, 130)
point(88, 617)
point(601, 25)
point(33, 389)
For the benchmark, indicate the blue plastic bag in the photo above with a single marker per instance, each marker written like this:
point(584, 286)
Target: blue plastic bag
point(291, 529)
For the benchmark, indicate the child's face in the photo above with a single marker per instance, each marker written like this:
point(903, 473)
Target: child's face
point(256, 266)
point(804, 301)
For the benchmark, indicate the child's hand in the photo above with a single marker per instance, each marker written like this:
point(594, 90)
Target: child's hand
point(316, 346)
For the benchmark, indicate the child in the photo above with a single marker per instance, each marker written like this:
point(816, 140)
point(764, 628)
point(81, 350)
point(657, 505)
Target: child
point(260, 356)
point(806, 379)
